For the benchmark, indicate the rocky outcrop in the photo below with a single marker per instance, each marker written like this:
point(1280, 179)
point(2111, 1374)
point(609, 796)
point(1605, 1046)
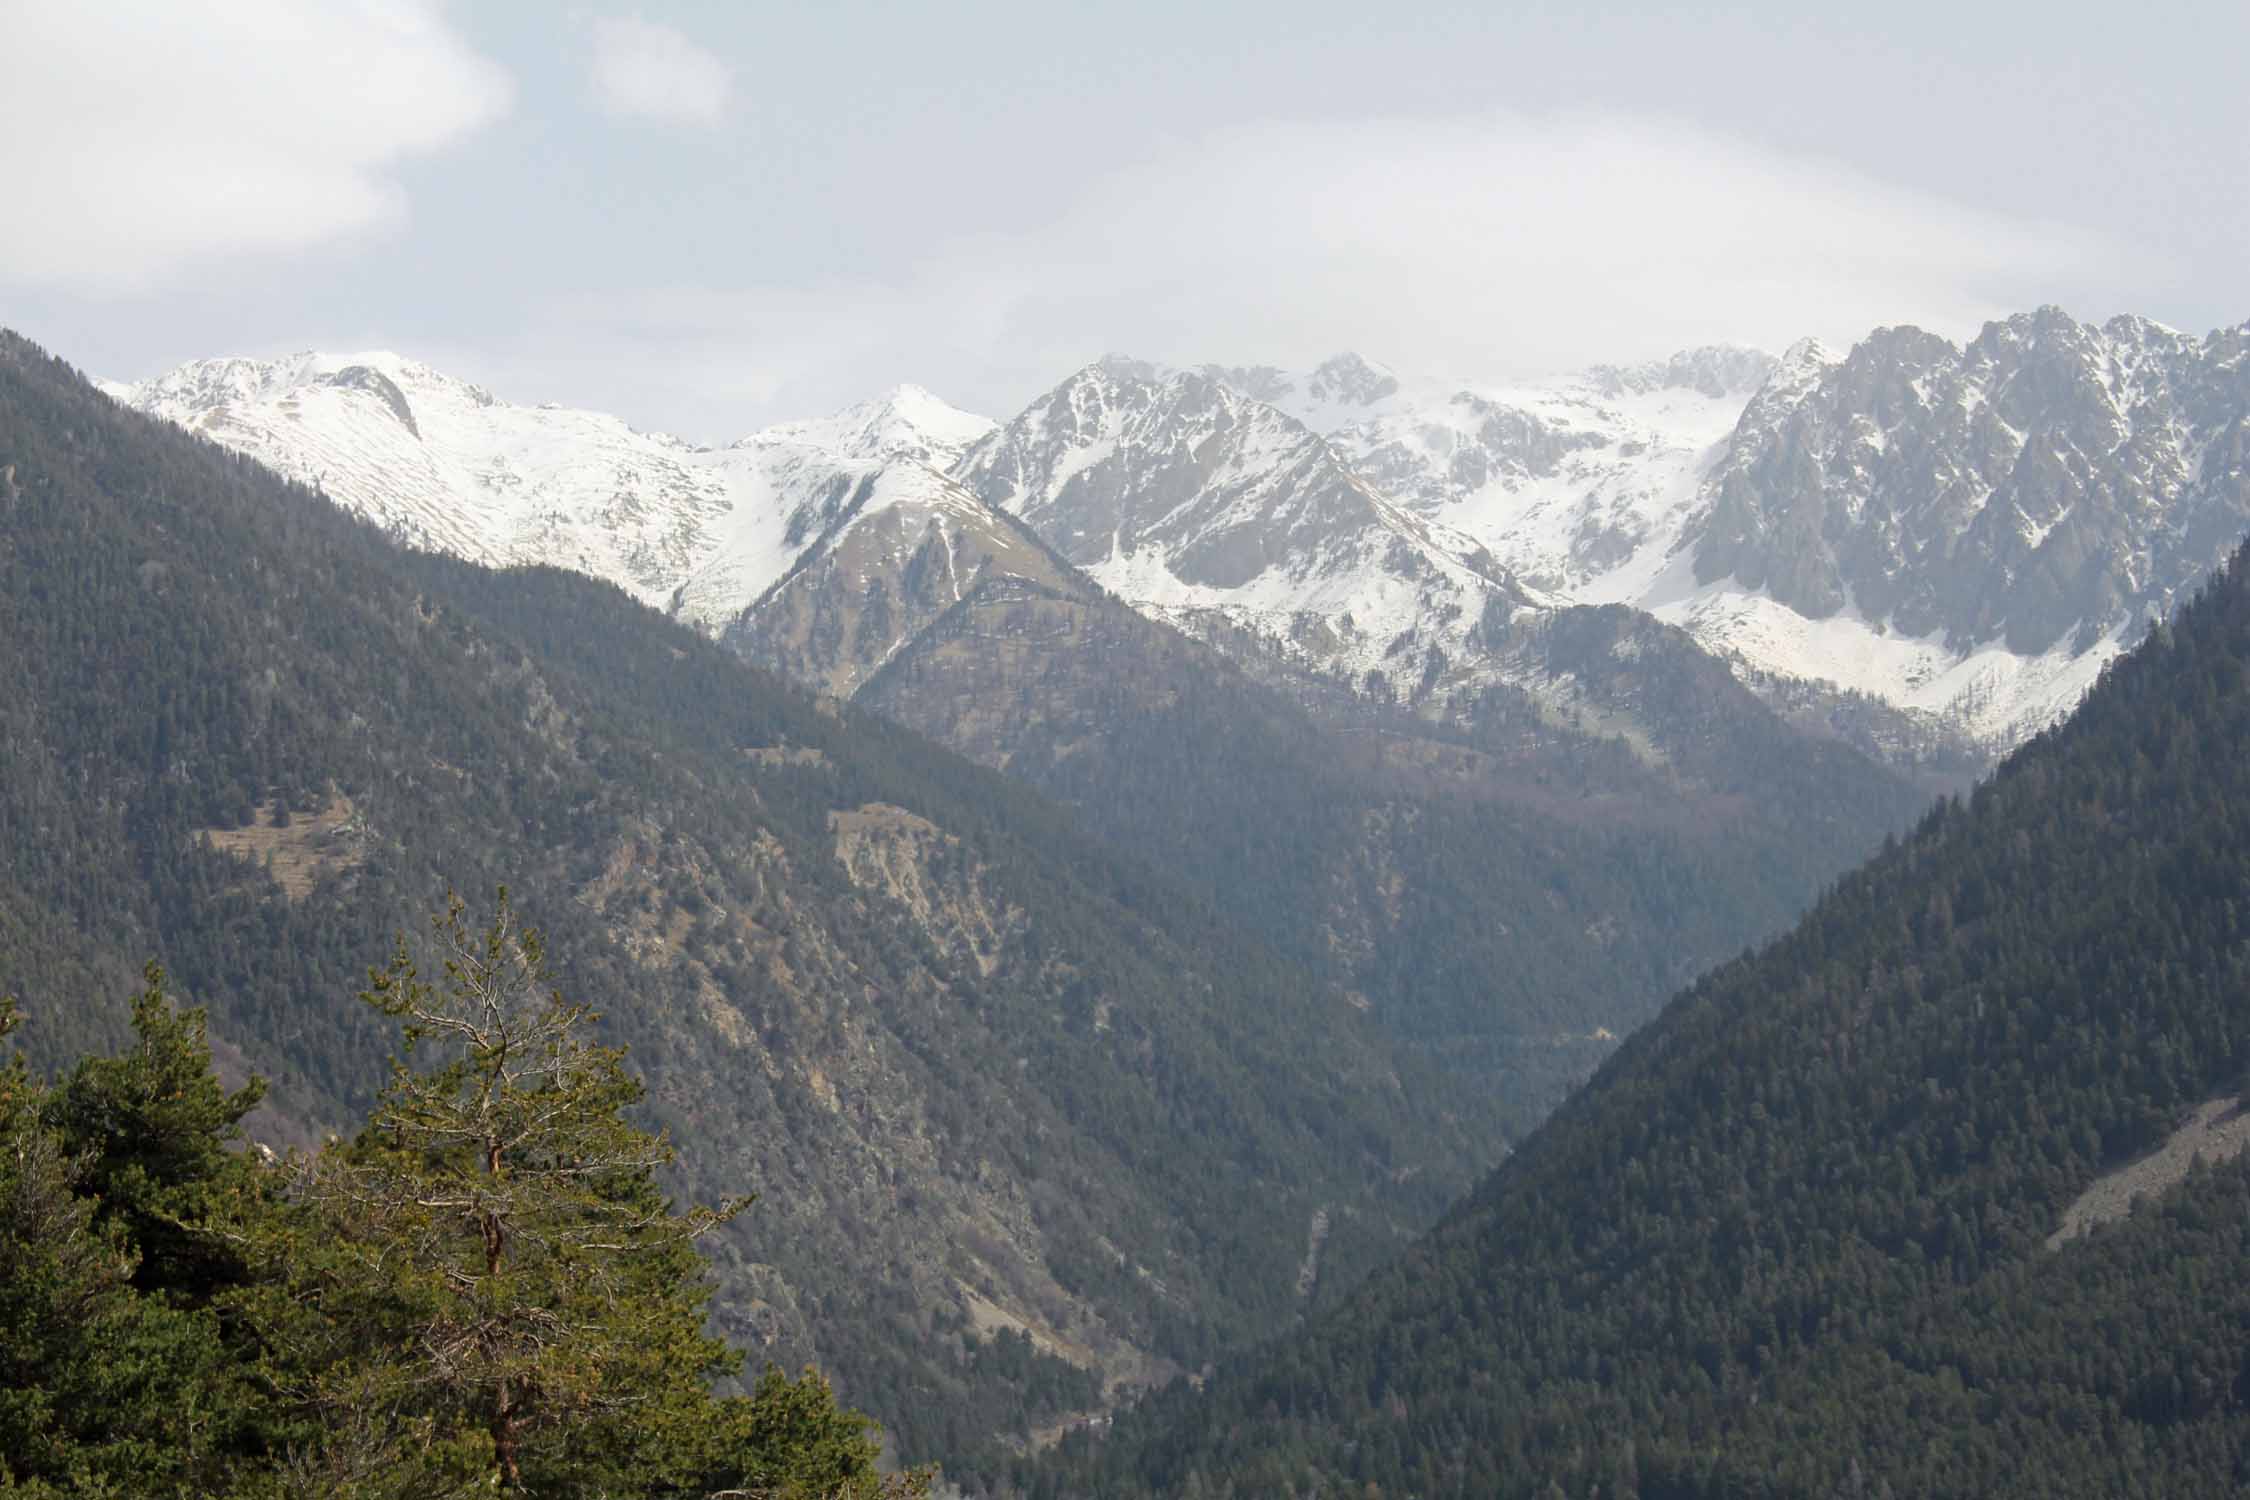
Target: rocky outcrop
point(2048, 484)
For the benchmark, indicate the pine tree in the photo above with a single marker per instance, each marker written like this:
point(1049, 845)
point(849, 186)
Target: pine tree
point(115, 1377)
point(485, 1290)
point(163, 1148)
point(489, 1289)
point(536, 1303)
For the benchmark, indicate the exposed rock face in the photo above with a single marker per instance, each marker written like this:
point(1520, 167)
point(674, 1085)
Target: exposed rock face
point(903, 547)
point(1349, 380)
point(1187, 498)
point(1142, 476)
point(2048, 484)
point(1966, 534)
point(1335, 391)
point(1715, 371)
point(1580, 486)
point(380, 386)
point(1122, 459)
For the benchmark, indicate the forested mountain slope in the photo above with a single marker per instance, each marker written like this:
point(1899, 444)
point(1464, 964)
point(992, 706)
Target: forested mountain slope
point(1506, 894)
point(992, 1082)
point(1794, 1239)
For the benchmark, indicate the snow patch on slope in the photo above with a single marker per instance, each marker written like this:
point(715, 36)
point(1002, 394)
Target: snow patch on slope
point(1991, 695)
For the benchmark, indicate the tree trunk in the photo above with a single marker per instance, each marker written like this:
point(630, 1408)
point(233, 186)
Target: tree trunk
point(504, 1440)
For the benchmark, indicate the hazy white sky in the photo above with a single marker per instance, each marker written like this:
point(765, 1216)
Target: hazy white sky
point(708, 217)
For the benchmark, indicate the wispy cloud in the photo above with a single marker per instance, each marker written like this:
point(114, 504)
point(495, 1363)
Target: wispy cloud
point(137, 139)
point(1490, 247)
point(641, 69)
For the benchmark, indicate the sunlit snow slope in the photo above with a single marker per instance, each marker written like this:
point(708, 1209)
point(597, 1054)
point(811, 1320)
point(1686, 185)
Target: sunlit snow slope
point(700, 531)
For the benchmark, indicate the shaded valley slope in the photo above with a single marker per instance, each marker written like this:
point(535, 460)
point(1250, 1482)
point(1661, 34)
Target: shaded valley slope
point(1800, 1236)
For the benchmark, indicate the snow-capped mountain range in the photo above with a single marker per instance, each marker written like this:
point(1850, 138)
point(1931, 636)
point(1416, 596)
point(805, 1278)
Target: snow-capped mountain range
point(1968, 533)
point(1965, 533)
point(701, 532)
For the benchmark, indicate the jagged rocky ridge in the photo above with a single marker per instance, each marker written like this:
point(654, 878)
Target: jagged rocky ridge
point(2049, 484)
point(1967, 533)
point(1191, 501)
point(1963, 534)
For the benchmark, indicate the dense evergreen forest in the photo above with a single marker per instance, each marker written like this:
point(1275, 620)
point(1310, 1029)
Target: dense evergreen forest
point(1794, 1239)
point(1026, 1117)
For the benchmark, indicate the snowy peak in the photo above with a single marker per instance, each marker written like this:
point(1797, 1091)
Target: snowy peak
point(195, 390)
point(1970, 530)
point(904, 422)
point(1967, 530)
point(445, 464)
point(1193, 502)
point(1264, 383)
point(1127, 459)
point(1348, 380)
point(2029, 487)
point(1126, 369)
point(1341, 389)
point(1973, 529)
point(1802, 366)
point(202, 384)
point(1124, 457)
point(908, 496)
point(1580, 483)
point(819, 547)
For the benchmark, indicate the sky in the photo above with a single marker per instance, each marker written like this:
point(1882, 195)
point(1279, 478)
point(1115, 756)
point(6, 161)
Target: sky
point(709, 217)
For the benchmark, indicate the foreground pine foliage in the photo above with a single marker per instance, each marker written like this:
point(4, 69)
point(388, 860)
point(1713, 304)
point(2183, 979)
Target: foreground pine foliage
point(485, 1290)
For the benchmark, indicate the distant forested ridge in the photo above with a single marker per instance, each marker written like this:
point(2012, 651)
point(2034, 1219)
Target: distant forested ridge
point(1794, 1239)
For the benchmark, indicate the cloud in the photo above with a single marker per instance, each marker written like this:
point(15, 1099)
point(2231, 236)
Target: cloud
point(139, 138)
point(1486, 248)
point(1500, 245)
point(643, 70)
